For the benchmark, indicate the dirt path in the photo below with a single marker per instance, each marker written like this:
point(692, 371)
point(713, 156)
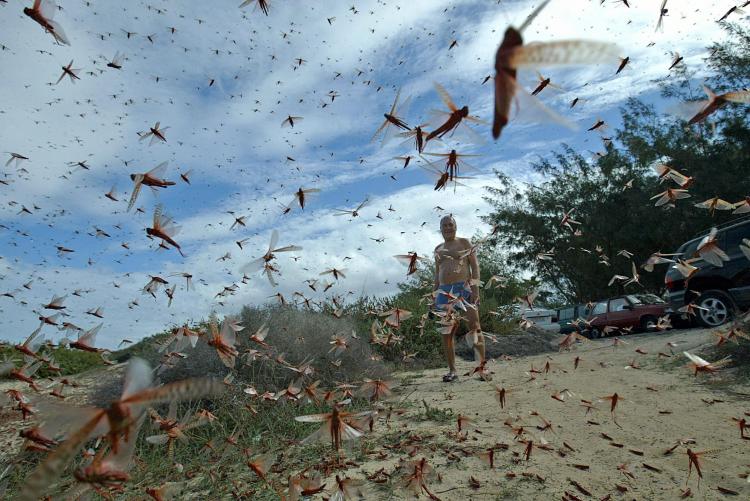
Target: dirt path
point(661, 403)
point(10, 419)
point(649, 421)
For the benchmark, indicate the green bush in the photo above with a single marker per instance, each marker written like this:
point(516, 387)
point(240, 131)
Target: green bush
point(142, 348)
point(70, 361)
point(272, 429)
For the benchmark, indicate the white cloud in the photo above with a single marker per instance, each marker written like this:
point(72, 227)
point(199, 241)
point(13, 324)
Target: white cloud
point(230, 134)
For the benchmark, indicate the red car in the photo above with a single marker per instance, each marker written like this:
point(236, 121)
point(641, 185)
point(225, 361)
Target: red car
point(632, 311)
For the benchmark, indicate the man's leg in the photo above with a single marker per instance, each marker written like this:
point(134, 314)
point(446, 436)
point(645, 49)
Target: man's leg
point(448, 348)
point(449, 351)
point(472, 316)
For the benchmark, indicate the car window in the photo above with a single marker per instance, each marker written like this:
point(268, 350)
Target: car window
point(734, 236)
point(618, 304)
point(600, 308)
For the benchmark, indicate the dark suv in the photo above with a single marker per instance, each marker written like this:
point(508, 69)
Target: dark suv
point(719, 292)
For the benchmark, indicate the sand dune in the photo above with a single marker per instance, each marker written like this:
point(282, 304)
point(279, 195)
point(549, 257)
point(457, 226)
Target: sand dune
point(661, 403)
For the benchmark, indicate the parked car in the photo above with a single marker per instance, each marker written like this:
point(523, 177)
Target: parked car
point(718, 292)
point(567, 315)
point(542, 318)
point(632, 311)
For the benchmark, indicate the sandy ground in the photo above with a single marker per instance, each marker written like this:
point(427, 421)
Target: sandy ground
point(10, 419)
point(661, 403)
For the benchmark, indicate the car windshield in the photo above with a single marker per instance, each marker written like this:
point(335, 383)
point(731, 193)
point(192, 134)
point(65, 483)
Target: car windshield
point(646, 299)
point(689, 250)
point(734, 236)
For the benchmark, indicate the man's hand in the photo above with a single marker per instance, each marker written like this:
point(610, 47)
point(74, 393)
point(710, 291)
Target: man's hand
point(474, 297)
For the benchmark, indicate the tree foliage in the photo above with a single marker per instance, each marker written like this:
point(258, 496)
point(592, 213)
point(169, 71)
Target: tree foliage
point(614, 216)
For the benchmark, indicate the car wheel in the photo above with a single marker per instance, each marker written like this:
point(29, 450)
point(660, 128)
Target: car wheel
point(716, 308)
point(594, 333)
point(648, 323)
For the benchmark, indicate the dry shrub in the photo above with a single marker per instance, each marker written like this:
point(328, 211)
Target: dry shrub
point(738, 351)
point(302, 335)
point(516, 343)
point(296, 335)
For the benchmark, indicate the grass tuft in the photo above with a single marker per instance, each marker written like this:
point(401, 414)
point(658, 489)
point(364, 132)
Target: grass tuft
point(436, 414)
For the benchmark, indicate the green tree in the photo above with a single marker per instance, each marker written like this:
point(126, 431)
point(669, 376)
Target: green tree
point(611, 195)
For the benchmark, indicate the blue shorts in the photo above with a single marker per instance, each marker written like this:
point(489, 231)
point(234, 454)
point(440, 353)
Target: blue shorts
point(457, 289)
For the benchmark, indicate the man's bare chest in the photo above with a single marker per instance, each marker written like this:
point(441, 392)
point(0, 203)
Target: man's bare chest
point(454, 253)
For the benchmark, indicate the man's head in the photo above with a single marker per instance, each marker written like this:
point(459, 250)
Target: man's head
point(448, 227)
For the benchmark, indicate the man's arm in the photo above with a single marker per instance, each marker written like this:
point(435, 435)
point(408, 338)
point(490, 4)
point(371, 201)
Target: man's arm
point(437, 270)
point(474, 273)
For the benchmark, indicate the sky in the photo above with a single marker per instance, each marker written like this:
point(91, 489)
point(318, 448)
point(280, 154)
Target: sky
point(220, 81)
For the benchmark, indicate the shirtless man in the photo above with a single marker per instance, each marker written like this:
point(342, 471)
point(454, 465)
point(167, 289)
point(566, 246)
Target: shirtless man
point(457, 273)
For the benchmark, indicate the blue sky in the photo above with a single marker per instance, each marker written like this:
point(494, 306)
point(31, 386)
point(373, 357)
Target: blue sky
point(230, 135)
